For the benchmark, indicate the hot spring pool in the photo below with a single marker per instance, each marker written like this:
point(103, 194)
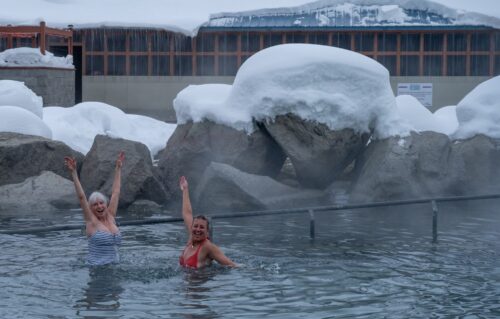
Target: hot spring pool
point(362, 264)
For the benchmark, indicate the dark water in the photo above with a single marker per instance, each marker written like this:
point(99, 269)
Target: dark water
point(362, 264)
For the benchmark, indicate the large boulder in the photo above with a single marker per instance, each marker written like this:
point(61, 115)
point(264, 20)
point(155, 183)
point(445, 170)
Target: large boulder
point(139, 177)
point(23, 156)
point(403, 168)
point(473, 166)
point(44, 192)
point(317, 153)
point(193, 146)
point(225, 188)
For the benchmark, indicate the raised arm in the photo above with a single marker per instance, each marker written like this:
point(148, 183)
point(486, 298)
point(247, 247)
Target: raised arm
point(187, 210)
point(115, 191)
point(71, 165)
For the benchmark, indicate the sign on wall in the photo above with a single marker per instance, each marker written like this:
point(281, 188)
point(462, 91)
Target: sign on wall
point(421, 91)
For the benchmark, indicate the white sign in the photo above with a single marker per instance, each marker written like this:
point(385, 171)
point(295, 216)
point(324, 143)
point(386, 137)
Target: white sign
point(421, 91)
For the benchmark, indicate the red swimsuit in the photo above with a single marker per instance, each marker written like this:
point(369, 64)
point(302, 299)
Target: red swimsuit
point(191, 261)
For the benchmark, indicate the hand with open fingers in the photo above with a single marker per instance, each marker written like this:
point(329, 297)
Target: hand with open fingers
point(70, 163)
point(121, 159)
point(183, 183)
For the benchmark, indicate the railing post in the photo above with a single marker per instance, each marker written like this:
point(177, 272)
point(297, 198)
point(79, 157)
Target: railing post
point(311, 224)
point(434, 221)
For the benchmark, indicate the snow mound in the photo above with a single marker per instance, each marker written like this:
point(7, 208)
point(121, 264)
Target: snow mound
point(479, 111)
point(15, 93)
point(19, 120)
point(77, 126)
point(333, 86)
point(447, 119)
point(31, 57)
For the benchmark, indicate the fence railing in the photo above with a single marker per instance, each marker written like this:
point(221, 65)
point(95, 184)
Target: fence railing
point(433, 201)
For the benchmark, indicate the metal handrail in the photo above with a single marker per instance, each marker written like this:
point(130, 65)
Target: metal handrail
point(311, 210)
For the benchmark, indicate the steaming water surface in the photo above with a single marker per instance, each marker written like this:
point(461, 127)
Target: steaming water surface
point(362, 264)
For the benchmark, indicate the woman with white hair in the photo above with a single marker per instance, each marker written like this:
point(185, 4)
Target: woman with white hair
point(103, 235)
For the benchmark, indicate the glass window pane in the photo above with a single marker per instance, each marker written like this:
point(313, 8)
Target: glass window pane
point(271, 39)
point(94, 40)
point(497, 41)
point(3, 44)
point(160, 42)
point(183, 65)
point(228, 42)
point(94, 65)
point(160, 65)
point(138, 41)
point(456, 65)
point(182, 43)
point(497, 65)
point(480, 42)
point(205, 65)
point(139, 65)
point(433, 42)
point(342, 40)
point(433, 65)
point(228, 65)
point(363, 42)
point(409, 65)
point(295, 38)
point(457, 42)
point(205, 42)
point(116, 65)
point(318, 38)
point(389, 61)
point(410, 42)
point(479, 65)
point(250, 42)
point(116, 40)
point(387, 42)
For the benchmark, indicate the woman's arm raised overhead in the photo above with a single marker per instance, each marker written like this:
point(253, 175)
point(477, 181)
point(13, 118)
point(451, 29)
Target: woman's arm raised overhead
point(70, 163)
point(115, 191)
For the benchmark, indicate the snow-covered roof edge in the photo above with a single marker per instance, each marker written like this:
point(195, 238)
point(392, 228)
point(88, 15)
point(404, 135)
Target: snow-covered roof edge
point(460, 16)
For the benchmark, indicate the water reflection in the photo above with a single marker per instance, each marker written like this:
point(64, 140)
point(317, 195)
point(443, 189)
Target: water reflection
point(198, 292)
point(102, 294)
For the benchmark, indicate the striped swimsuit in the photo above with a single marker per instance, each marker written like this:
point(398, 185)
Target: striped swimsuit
point(103, 248)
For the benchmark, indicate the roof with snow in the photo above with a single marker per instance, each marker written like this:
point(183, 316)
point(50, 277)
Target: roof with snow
point(355, 14)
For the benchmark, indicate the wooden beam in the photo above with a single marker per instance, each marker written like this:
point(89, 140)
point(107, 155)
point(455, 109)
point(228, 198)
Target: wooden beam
point(42, 37)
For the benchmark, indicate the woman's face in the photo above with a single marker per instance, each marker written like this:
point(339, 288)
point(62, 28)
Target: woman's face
point(99, 208)
point(199, 230)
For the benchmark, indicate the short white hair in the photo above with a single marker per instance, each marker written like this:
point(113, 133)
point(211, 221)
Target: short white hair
point(95, 196)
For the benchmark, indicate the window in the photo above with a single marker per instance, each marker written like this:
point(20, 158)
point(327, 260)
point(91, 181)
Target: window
point(183, 65)
point(271, 39)
point(410, 42)
point(457, 42)
point(497, 65)
point(160, 65)
point(456, 65)
point(363, 42)
point(182, 43)
point(138, 41)
point(228, 42)
point(139, 65)
point(342, 40)
point(205, 42)
point(497, 41)
point(318, 38)
point(433, 65)
point(160, 42)
point(228, 65)
point(295, 38)
point(409, 65)
point(205, 65)
point(116, 40)
point(3, 44)
point(389, 61)
point(433, 42)
point(479, 65)
point(22, 42)
point(94, 40)
point(94, 65)
point(480, 42)
point(250, 42)
point(116, 65)
point(387, 42)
